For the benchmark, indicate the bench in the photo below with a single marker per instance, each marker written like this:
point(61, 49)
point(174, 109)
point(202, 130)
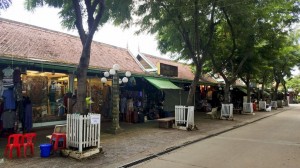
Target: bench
point(166, 122)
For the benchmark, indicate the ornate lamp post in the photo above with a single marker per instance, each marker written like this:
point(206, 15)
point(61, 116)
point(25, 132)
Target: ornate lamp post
point(115, 128)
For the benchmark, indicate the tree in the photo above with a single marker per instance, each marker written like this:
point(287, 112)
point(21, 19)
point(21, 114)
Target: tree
point(4, 4)
point(287, 52)
point(242, 29)
point(294, 84)
point(234, 42)
point(184, 29)
point(86, 16)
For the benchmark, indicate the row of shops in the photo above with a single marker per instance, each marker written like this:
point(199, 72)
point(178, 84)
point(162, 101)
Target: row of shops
point(46, 63)
point(51, 92)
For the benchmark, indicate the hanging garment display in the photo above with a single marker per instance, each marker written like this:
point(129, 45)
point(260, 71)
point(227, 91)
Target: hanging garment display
point(8, 77)
point(27, 114)
point(1, 88)
point(9, 100)
point(17, 75)
point(18, 91)
point(8, 119)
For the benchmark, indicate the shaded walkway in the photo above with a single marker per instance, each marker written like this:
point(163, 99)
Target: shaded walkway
point(135, 142)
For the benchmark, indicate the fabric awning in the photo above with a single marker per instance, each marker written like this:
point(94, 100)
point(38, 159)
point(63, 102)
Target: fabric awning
point(161, 83)
point(266, 93)
point(244, 90)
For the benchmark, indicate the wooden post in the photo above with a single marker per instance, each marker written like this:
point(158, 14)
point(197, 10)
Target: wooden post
point(80, 133)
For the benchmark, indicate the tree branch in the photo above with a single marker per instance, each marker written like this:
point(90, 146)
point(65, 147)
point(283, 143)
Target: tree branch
point(183, 32)
point(232, 32)
point(98, 17)
point(78, 22)
point(211, 30)
point(90, 13)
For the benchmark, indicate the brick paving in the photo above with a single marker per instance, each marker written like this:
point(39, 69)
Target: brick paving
point(136, 141)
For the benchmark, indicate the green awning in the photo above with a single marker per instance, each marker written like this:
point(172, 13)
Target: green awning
point(244, 90)
point(266, 93)
point(162, 83)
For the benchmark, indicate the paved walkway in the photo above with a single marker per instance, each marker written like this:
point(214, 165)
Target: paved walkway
point(137, 141)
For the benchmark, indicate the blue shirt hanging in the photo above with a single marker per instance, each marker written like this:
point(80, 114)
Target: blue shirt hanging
point(9, 100)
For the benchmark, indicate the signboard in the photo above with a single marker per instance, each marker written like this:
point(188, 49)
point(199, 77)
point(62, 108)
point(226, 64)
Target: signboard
point(95, 118)
point(167, 70)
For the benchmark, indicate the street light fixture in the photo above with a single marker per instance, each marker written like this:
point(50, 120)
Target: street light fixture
point(115, 94)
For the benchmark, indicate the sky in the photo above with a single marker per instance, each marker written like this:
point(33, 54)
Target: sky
point(47, 17)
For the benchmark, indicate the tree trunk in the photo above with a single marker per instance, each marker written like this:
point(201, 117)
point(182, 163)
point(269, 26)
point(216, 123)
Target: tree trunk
point(81, 79)
point(227, 94)
point(262, 92)
point(190, 99)
point(275, 92)
point(285, 91)
point(248, 88)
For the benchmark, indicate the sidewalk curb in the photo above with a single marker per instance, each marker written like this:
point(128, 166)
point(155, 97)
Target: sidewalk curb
point(170, 149)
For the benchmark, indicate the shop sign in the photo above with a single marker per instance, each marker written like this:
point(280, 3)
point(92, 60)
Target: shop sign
point(95, 118)
point(167, 70)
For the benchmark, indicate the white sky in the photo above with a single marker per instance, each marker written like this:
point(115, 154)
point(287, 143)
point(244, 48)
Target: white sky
point(48, 18)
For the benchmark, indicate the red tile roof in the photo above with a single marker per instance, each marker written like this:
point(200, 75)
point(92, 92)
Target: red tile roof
point(25, 41)
point(184, 70)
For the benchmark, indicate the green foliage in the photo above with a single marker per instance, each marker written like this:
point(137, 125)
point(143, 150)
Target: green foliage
point(294, 84)
point(115, 10)
point(183, 28)
point(180, 30)
point(4, 4)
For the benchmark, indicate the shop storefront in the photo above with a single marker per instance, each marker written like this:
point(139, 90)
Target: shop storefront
point(48, 90)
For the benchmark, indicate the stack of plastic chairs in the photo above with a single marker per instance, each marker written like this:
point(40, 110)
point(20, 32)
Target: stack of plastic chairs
point(14, 142)
point(29, 139)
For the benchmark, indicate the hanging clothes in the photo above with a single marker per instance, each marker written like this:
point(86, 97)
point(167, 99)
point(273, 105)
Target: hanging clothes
point(1, 111)
point(18, 91)
point(1, 87)
point(17, 75)
point(1, 75)
point(21, 112)
point(8, 77)
point(8, 119)
point(61, 107)
point(27, 114)
point(123, 104)
point(9, 100)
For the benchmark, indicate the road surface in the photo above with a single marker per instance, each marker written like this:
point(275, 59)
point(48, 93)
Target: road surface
point(273, 142)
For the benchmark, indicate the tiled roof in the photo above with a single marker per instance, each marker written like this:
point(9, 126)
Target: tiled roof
point(25, 41)
point(208, 78)
point(184, 70)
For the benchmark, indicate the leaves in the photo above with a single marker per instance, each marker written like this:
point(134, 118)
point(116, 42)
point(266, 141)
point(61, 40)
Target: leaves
point(4, 4)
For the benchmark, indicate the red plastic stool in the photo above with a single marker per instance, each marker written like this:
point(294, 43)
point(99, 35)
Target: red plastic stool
point(17, 140)
point(55, 138)
point(29, 139)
